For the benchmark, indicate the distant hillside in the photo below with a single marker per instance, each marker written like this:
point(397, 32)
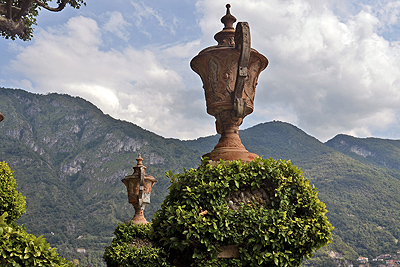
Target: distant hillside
point(381, 152)
point(69, 159)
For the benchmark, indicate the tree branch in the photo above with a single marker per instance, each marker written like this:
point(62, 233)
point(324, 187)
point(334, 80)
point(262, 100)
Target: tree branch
point(5, 10)
point(9, 9)
point(13, 27)
point(26, 6)
point(60, 7)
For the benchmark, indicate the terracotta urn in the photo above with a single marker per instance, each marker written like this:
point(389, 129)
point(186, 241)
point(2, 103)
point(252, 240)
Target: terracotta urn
point(139, 186)
point(229, 72)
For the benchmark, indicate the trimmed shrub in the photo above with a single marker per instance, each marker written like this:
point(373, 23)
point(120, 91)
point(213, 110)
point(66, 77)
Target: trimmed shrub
point(17, 247)
point(11, 201)
point(265, 207)
point(132, 247)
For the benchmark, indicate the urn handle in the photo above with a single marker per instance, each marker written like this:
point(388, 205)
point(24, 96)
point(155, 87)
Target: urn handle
point(242, 43)
point(141, 186)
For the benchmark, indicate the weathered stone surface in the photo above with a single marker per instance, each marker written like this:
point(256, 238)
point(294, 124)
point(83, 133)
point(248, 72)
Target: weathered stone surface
point(247, 196)
point(139, 186)
point(231, 251)
point(141, 242)
point(229, 72)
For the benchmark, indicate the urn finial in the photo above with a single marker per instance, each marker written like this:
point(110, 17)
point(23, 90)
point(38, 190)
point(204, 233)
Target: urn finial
point(228, 19)
point(226, 36)
point(139, 160)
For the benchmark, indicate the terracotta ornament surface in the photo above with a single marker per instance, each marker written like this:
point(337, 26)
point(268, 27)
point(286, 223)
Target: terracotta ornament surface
point(139, 186)
point(229, 72)
point(1, 117)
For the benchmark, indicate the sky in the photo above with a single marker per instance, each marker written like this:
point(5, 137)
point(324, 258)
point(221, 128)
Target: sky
point(334, 65)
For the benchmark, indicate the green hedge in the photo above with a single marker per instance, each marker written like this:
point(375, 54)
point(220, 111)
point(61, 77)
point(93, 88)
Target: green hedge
point(11, 201)
point(123, 252)
point(17, 247)
point(279, 228)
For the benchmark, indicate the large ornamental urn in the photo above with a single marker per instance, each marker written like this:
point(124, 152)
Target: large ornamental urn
point(139, 186)
point(229, 72)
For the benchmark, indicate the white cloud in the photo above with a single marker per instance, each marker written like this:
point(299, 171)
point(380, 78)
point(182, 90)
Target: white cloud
point(335, 75)
point(145, 13)
point(389, 12)
point(130, 84)
point(117, 25)
point(332, 68)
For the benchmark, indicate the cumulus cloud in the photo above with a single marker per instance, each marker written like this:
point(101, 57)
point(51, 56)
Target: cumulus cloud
point(145, 14)
point(117, 25)
point(334, 66)
point(130, 84)
point(335, 75)
point(389, 12)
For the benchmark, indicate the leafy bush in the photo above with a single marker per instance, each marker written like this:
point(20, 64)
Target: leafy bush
point(11, 201)
point(17, 247)
point(265, 207)
point(132, 247)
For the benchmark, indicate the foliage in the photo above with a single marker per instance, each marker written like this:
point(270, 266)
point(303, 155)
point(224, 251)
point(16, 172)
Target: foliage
point(17, 17)
point(18, 248)
point(123, 253)
point(380, 152)
point(289, 224)
point(11, 201)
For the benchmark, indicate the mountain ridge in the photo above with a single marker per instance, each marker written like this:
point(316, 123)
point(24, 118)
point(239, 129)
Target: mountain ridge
point(69, 159)
point(381, 152)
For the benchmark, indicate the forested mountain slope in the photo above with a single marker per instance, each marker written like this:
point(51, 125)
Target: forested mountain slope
point(382, 152)
point(69, 159)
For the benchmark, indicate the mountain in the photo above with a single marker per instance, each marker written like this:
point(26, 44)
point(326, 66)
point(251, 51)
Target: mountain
point(381, 152)
point(69, 159)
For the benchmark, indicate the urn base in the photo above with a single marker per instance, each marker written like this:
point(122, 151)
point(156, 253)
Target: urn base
point(231, 153)
point(139, 217)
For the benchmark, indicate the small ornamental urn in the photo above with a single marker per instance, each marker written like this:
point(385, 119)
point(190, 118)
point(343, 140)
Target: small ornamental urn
point(229, 72)
point(139, 186)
